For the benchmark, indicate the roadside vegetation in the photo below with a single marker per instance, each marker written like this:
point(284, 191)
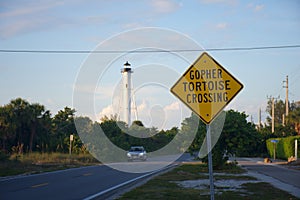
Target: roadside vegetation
point(190, 181)
point(30, 131)
point(284, 147)
point(34, 163)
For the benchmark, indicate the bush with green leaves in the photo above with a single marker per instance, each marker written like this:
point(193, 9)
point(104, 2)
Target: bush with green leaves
point(284, 148)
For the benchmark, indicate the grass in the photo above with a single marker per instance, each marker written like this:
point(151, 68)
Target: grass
point(33, 163)
point(165, 186)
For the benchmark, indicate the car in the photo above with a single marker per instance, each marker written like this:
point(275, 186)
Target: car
point(137, 153)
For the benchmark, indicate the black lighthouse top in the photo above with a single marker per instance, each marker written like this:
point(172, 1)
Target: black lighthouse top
point(126, 68)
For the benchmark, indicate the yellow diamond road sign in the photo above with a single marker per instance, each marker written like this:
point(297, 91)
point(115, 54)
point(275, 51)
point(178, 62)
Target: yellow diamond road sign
point(206, 87)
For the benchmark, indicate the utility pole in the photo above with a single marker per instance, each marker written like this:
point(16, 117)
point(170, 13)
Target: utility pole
point(273, 112)
point(273, 115)
point(259, 119)
point(286, 86)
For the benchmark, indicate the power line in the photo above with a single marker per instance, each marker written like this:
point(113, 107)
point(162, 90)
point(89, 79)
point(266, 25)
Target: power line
point(147, 51)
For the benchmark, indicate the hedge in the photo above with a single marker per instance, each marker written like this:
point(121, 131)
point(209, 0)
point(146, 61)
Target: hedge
point(285, 147)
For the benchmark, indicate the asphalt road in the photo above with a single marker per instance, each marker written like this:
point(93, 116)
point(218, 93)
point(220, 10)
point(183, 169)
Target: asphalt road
point(278, 175)
point(68, 184)
point(77, 183)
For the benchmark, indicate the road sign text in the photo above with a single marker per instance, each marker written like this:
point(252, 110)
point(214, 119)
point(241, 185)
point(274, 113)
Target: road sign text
point(217, 84)
point(206, 74)
point(206, 87)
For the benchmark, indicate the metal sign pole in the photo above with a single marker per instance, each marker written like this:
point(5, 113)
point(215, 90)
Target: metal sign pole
point(274, 151)
point(296, 149)
point(210, 168)
point(71, 140)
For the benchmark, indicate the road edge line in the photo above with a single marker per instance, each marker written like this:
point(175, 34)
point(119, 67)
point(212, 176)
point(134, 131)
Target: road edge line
point(126, 183)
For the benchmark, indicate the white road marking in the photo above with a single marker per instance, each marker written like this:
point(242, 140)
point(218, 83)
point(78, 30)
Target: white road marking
point(125, 183)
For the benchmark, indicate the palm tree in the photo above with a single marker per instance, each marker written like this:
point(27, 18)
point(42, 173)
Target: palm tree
point(35, 114)
point(20, 121)
point(7, 129)
point(26, 118)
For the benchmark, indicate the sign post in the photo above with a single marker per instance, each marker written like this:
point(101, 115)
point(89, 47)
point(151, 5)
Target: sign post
point(274, 148)
point(296, 149)
point(210, 167)
point(71, 140)
point(206, 88)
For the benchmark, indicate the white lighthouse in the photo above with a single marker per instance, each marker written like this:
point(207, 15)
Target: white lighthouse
point(126, 89)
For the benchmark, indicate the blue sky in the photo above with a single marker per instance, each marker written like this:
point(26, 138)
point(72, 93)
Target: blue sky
point(49, 79)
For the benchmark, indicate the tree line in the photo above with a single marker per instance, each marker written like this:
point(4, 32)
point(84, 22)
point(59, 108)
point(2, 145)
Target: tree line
point(27, 127)
point(291, 124)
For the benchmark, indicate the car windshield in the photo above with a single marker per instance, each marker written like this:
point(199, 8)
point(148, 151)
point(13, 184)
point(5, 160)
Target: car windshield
point(136, 149)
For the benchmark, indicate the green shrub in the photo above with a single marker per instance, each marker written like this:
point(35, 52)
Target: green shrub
point(3, 156)
point(285, 147)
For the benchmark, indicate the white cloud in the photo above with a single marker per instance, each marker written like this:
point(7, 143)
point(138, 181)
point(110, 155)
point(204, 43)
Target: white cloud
point(32, 16)
point(21, 25)
point(258, 8)
point(103, 92)
point(229, 2)
point(142, 107)
point(30, 9)
point(23, 18)
point(162, 116)
point(255, 8)
point(131, 25)
point(172, 106)
point(222, 26)
point(164, 6)
point(95, 19)
point(107, 111)
point(250, 109)
point(159, 116)
point(50, 101)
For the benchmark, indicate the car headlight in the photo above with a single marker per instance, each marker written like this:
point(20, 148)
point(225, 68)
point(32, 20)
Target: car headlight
point(141, 154)
point(128, 154)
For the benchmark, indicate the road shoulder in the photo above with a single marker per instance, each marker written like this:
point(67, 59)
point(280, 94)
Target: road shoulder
point(246, 162)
